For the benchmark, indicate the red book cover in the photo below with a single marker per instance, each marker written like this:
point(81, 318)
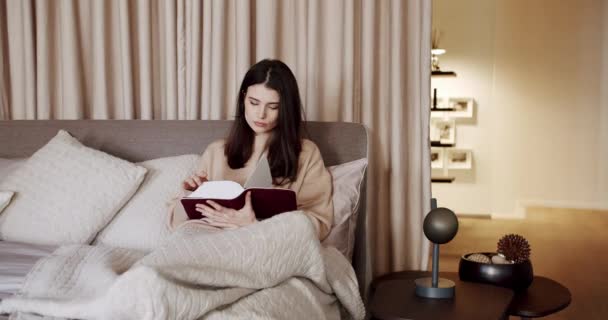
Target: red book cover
point(266, 202)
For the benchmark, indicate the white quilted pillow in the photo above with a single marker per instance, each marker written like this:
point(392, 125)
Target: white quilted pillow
point(142, 223)
point(347, 179)
point(7, 166)
point(5, 198)
point(66, 192)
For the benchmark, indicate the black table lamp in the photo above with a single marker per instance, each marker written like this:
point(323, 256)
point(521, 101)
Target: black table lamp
point(440, 226)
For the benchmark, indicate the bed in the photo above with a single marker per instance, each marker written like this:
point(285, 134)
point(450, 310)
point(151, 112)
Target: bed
point(138, 140)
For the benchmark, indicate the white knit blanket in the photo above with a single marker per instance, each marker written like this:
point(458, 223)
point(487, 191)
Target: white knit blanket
point(274, 269)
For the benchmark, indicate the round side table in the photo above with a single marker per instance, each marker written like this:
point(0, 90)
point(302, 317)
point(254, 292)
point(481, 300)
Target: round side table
point(543, 297)
point(392, 297)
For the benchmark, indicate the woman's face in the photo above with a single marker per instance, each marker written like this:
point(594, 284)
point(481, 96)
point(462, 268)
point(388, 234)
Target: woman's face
point(261, 108)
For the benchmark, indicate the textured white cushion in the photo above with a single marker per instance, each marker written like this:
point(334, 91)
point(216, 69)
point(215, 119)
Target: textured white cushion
point(8, 166)
point(66, 192)
point(346, 178)
point(142, 223)
point(5, 198)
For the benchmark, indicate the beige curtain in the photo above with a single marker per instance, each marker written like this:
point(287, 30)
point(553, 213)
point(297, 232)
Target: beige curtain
point(362, 61)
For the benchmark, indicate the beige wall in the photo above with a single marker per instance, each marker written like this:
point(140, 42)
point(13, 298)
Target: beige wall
point(540, 137)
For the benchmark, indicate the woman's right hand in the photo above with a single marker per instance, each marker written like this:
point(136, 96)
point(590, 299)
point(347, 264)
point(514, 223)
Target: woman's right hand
point(194, 181)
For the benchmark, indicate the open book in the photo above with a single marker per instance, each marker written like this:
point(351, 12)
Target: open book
point(266, 200)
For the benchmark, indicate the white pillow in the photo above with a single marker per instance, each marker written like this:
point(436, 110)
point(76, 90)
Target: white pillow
point(142, 223)
point(5, 198)
point(8, 166)
point(347, 179)
point(66, 192)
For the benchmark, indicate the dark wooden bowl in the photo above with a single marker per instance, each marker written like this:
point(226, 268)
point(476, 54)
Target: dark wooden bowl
point(517, 276)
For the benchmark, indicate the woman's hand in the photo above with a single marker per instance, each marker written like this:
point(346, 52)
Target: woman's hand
point(226, 218)
point(194, 181)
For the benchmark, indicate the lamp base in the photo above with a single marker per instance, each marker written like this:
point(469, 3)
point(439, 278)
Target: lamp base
point(445, 288)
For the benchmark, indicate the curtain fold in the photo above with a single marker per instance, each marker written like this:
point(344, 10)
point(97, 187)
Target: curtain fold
point(362, 61)
point(4, 65)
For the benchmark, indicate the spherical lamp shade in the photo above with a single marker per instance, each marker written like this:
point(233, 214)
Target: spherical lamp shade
point(440, 225)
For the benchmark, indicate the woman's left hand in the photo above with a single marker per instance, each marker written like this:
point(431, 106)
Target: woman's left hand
point(226, 218)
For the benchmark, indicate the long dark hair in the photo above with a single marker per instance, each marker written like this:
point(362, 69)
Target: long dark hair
point(285, 143)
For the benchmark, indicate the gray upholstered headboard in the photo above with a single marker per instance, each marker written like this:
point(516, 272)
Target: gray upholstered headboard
point(139, 140)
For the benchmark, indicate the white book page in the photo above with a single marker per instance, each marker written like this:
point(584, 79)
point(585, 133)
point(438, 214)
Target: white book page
point(217, 190)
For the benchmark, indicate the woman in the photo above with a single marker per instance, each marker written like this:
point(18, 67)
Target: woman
point(268, 123)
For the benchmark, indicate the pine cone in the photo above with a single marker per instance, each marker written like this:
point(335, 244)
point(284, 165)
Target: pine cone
point(514, 247)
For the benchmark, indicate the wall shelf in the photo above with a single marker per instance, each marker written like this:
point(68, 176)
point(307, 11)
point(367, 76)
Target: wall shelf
point(443, 73)
point(443, 180)
point(439, 144)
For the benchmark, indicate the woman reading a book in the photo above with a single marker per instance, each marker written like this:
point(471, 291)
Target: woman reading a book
point(268, 124)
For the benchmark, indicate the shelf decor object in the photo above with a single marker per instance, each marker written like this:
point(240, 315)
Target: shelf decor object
point(437, 159)
point(440, 226)
point(458, 159)
point(461, 107)
point(509, 267)
point(435, 53)
point(443, 131)
point(452, 108)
